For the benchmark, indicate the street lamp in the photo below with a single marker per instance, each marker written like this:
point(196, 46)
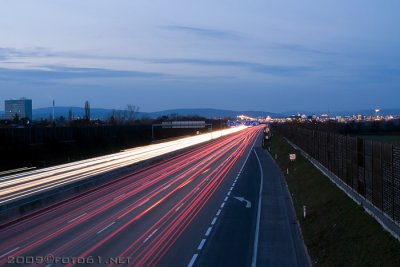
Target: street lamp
point(377, 110)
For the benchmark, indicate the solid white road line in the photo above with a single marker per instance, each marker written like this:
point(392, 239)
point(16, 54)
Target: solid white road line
point(257, 232)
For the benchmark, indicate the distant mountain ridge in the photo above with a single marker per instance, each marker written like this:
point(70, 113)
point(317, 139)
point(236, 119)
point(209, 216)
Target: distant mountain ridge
point(212, 113)
point(106, 113)
point(102, 113)
point(77, 112)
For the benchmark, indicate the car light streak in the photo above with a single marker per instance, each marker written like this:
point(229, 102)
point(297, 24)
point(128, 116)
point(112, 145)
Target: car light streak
point(88, 168)
point(161, 166)
point(102, 216)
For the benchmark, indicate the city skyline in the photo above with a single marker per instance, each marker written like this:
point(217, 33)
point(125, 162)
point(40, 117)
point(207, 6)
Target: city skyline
point(261, 56)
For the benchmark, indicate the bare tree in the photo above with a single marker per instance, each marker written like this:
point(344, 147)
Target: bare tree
point(132, 110)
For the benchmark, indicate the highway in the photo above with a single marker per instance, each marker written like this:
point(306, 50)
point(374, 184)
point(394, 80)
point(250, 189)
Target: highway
point(153, 217)
point(23, 185)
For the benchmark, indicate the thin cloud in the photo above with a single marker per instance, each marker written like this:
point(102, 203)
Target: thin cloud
point(278, 70)
point(301, 49)
point(202, 62)
point(32, 52)
point(45, 52)
point(203, 32)
point(62, 73)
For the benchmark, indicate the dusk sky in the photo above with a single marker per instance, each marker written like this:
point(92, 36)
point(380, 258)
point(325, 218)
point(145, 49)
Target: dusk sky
point(241, 55)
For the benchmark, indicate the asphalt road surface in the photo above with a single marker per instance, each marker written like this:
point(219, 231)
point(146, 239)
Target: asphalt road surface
point(264, 233)
point(201, 208)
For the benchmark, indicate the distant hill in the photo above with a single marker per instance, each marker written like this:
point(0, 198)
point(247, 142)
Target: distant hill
point(102, 113)
point(77, 112)
point(106, 113)
point(211, 113)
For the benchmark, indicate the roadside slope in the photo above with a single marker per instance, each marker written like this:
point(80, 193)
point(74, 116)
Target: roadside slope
point(336, 231)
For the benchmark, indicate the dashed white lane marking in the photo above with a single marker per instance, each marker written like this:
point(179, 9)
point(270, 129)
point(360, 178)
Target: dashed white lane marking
point(234, 184)
point(180, 206)
point(76, 218)
point(105, 228)
point(191, 263)
point(9, 252)
point(167, 186)
point(208, 231)
point(200, 247)
point(119, 196)
point(143, 202)
point(194, 257)
point(206, 171)
point(150, 235)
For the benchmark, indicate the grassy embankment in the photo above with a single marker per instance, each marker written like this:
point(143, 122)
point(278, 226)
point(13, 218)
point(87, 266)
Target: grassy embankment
point(336, 231)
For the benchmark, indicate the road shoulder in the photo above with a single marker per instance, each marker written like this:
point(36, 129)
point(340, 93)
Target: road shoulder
point(280, 241)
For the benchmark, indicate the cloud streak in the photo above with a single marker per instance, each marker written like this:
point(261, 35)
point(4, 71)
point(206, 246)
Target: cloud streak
point(278, 70)
point(203, 32)
point(64, 73)
point(300, 48)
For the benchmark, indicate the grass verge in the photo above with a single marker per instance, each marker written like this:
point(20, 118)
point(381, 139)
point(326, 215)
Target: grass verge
point(337, 231)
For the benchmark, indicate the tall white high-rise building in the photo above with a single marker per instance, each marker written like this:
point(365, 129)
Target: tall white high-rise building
point(21, 107)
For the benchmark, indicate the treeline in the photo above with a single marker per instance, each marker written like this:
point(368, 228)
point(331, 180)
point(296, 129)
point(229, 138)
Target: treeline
point(42, 146)
point(391, 127)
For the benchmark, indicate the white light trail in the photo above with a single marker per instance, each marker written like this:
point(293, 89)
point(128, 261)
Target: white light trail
point(18, 186)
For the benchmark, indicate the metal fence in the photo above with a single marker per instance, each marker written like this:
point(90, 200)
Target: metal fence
point(371, 168)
